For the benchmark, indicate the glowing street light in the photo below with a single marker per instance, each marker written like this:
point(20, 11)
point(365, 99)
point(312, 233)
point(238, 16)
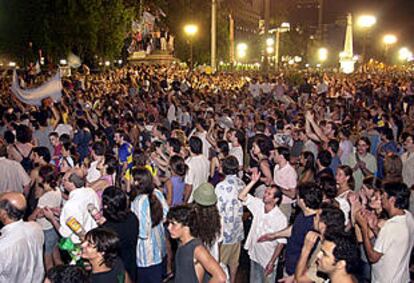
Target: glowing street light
point(405, 54)
point(270, 41)
point(389, 39)
point(241, 50)
point(191, 30)
point(63, 62)
point(323, 54)
point(107, 63)
point(366, 21)
point(270, 50)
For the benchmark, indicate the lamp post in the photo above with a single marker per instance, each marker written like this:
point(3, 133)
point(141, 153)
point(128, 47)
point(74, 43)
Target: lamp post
point(191, 30)
point(284, 27)
point(366, 22)
point(405, 55)
point(322, 54)
point(389, 40)
point(241, 50)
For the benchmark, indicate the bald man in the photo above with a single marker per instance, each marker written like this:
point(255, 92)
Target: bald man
point(21, 243)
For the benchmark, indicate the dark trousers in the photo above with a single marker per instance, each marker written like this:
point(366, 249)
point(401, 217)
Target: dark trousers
point(151, 274)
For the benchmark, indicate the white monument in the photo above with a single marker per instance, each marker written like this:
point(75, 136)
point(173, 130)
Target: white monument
point(346, 57)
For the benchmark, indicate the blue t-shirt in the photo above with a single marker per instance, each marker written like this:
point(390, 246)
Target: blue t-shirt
point(302, 225)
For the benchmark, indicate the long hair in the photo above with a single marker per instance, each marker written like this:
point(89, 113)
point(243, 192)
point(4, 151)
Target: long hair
point(207, 223)
point(349, 173)
point(143, 184)
point(115, 204)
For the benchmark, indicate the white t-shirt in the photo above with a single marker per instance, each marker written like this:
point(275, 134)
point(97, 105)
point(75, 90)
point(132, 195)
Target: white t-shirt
point(77, 206)
point(344, 205)
point(395, 241)
point(286, 178)
point(254, 89)
point(263, 223)
point(93, 173)
point(198, 172)
point(51, 199)
point(238, 153)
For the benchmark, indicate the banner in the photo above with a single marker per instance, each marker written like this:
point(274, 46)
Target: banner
point(50, 89)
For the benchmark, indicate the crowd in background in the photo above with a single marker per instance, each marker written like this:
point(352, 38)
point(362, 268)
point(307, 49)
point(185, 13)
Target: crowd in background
point(174, 175)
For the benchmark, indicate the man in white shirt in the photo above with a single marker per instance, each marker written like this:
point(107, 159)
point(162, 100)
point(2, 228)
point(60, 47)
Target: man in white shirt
point(12, 175)
point(76, 206)
point(21, 243)
point(254, 88)
point(286, 178)
point(236, 139)
point(408, 161)
point(98, 155)
point(390, 255)
point(200, 132)
point(267, 218)
point(198, 168)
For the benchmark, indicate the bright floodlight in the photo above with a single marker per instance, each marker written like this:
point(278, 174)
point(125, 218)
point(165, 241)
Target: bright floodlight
point(63, 62)
point(323, 54)
point(12, 64)
point(405, 54)
point(270, 50)
point(270, 41)
point(390, 39)
point(241, 50)
point(367, 21)
point(107, 63)
point(190, 29)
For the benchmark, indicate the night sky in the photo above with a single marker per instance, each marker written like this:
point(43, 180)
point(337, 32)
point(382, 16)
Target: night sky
point(393, 16)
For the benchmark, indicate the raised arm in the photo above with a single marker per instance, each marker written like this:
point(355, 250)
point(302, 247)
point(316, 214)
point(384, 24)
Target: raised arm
point(243, 194)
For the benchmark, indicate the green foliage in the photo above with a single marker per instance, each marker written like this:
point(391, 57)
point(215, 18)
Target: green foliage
point(85, 27)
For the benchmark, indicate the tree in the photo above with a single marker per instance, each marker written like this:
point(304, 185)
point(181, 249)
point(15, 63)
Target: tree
point(85, 27)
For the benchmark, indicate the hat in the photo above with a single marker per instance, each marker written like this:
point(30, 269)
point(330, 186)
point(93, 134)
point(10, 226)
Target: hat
point(205, 195)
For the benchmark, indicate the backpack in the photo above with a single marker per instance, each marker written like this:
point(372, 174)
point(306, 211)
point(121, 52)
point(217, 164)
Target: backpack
point(26, 162)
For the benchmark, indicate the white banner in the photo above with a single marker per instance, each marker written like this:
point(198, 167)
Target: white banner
point(51, 88)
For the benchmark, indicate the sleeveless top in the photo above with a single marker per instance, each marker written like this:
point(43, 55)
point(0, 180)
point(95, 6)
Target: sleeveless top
point(184, 262)
point(178, 186)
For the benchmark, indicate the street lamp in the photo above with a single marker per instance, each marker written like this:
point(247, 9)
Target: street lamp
point(405, 54)
point(366, 22)
point(323, 54)
point(389, 39)
point(284, 27)
point(190, 30)
point(241, 50)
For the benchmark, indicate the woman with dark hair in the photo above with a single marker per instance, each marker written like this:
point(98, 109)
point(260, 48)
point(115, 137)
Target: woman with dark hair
point(261, 152)
point(151, 209)
point(346, 184)
point(100, 248)
point(107, 169)
point(49, 198)
point(174, 187)
point(124, 223)
point(308, 168)
point(68, 160)
point(22, 148)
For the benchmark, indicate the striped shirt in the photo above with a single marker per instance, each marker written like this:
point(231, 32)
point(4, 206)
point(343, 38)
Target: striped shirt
point(151, 247)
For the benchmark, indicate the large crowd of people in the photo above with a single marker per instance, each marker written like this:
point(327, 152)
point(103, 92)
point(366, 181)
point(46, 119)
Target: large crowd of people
point(161, 174)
